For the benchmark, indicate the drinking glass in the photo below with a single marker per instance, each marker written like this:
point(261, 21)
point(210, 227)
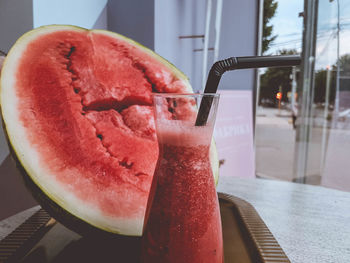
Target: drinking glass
point(182, 222)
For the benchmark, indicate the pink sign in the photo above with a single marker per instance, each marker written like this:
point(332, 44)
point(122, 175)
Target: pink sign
point(233, 133)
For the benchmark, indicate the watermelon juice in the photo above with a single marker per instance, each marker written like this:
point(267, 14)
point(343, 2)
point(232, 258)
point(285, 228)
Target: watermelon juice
point(184, 222)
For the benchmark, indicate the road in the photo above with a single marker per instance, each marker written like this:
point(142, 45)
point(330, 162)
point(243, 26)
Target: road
point(275, 150)
point(274, 144)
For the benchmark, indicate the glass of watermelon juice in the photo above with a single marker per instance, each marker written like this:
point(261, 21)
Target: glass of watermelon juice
point(182, 222)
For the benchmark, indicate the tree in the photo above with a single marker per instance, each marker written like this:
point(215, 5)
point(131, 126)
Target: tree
point(344, 65)
point(321, 80)
point(274, 78)
point(320, 85)
point(270, 7)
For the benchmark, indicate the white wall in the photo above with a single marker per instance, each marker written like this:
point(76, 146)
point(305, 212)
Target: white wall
point(134, 19)
point(175, 18)
point(239, 38)
point(180, 18)
point(83, 13)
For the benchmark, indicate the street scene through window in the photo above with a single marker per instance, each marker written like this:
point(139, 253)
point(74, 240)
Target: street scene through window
point(280, 111)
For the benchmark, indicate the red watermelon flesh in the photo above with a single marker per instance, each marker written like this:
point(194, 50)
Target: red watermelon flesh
point(82, 122)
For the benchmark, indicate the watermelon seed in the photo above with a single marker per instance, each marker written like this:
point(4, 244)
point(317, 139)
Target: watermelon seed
point(76, 90)
point(72, 49)
point(100, 136)
point(154, 90)
point(126, 163)
point(139, 174)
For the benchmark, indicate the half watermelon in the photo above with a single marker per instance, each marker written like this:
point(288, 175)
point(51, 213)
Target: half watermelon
point(77, 109)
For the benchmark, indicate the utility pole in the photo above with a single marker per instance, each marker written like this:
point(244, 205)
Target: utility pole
point(305, 100)
point(294, 87)
point(279, 98)
point(325, 119)
point(336, 108)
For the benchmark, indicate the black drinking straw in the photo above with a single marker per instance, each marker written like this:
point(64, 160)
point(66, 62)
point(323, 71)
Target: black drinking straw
point(220, 67)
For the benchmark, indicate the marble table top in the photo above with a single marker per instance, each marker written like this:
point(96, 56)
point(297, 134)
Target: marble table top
point(311, 223)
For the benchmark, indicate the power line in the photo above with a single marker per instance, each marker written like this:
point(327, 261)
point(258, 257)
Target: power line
point(333, 35)
point(321, 36)
point(286, 42)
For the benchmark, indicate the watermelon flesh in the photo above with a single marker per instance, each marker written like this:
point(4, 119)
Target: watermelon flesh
point(77, 108)
point(84, 101)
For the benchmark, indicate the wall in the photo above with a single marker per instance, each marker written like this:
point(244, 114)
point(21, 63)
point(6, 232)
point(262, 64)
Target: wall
point(83, 13)
point(133, 19)
point(16, 18)
point(180, 18)
point(175, 18)
point(239, 38)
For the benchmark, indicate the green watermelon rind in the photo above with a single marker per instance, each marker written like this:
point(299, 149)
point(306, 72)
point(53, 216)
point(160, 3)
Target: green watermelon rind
point(50, 202)
point(178, 73)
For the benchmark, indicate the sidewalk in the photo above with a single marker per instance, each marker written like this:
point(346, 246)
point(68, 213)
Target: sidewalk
point(275, 146)
point(271, 116)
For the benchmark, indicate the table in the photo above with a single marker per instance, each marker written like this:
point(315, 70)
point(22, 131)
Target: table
point(311, 223)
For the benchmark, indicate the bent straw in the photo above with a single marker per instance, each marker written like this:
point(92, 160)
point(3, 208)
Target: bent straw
point(220, 67)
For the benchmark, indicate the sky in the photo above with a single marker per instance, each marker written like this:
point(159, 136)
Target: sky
point(288, 28)
point(287, 25)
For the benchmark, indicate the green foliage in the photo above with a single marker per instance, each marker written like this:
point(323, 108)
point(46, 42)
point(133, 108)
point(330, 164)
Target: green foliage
point(273, 78)
point(344, 65)
point(320, 85)
point(321, 80)
point(270, 7)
